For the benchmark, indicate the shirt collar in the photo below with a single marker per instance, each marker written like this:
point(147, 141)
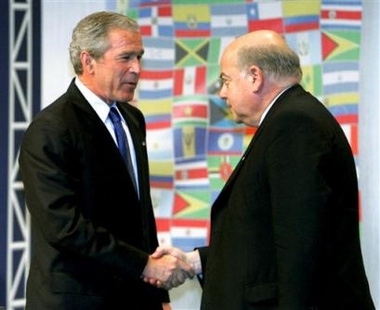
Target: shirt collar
point(101, 108)
point(271, 104)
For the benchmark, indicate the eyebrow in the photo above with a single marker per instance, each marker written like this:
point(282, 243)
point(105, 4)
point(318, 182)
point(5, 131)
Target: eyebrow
point(224, 77)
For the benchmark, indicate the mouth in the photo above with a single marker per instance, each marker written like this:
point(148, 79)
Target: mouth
point(131, 84)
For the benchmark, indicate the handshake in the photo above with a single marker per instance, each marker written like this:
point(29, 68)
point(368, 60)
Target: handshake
point(169, 267)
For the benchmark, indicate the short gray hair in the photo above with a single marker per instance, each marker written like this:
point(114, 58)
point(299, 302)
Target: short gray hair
point(91, 35)
point(276, 62)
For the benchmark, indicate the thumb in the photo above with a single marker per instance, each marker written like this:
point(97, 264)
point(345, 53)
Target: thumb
point(160, 251)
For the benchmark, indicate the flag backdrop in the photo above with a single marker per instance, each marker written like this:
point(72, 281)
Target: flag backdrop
point(193, 143)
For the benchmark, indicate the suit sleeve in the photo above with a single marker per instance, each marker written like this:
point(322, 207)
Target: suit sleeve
point(299, 198)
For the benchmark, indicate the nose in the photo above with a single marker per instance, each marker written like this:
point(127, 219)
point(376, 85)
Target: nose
point(135, 65)
point(223, 92)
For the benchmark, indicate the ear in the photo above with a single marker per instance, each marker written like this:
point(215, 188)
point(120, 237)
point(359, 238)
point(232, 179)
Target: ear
point(256, 77)
point(87, 62)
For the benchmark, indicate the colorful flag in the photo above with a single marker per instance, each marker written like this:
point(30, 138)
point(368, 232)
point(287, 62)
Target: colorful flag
point(340, 77)
point(301, 17)
point(161, 173)
point(190, 108)
point(192, 204)
point(159, 53)
point(191, 20)
point(345, 15)
point(340, 45)
point(312, 79)
point(163, 231)
point(157, 113)
point(220, 114)
point(191, 174)
point(156, 84)
point(222, 141)
point(160, 143)
point(220, 169)
point(190, 80)
point(187, 234)
point(228, 20)
point(351, 131)
point(156, 21)
point(307, 44)
point(216, 47)
point(191, 52)
point(162, 201)
point(265, 15)
point(189, 142)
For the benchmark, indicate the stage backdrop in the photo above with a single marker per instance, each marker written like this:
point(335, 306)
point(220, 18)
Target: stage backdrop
point(193, 143)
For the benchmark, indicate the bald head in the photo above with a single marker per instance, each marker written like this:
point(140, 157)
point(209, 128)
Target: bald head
point(267, 50)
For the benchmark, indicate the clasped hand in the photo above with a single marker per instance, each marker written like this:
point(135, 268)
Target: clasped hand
point(167, 267)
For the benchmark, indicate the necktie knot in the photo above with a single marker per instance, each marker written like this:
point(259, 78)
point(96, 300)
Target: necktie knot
point(114, 115)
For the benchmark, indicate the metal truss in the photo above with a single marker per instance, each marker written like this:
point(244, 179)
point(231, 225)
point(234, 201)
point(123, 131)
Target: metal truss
point(20, 115)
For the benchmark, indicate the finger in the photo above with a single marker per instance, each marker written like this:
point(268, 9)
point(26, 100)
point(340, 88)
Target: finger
point(160, 251)
point(187, 269)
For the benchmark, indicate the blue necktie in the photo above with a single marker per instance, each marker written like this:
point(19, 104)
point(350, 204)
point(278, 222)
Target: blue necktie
point(122, 142)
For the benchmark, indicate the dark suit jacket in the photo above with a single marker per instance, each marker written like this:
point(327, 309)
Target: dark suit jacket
point(90, 232)
point(284, 229)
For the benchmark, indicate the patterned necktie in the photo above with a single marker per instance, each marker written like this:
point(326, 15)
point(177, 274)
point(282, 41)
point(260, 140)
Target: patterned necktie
point(122, 142)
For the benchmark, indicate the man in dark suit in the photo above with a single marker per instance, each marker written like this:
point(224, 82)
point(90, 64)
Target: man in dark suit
point(92, 228)
point(284, 229)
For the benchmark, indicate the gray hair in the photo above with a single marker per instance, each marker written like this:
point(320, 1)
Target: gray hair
point(278, 63)
point(91, 35)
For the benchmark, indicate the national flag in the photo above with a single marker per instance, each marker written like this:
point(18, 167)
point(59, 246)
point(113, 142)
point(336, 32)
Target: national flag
point(191, 20)
point(145, 3)
point(228, 20)
point(163, 231)
point(249, 132)
point(301, 23)
point(344, 111)
point(159, 53)
point(156, 21)
point(307, 44)
point(340, 77)
point(341, 15)
point(216, 47)
point(312, 79)
point(192, 204)
point(155, 84)
point(222, 141)
point(220, 169)
point(190, 108)
point(160, 143)
point(187, 234)
point(301, 17)
point(191, 174)
point(220, 113)
point(158, 121)
point(265, 15)
point(189, 142)
point(191, 52)
point(214, 82)
point(162, 201)
point(340, 45)
point(190, 80)
point(161, 173)
point(351, 132)
point(157, 113)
